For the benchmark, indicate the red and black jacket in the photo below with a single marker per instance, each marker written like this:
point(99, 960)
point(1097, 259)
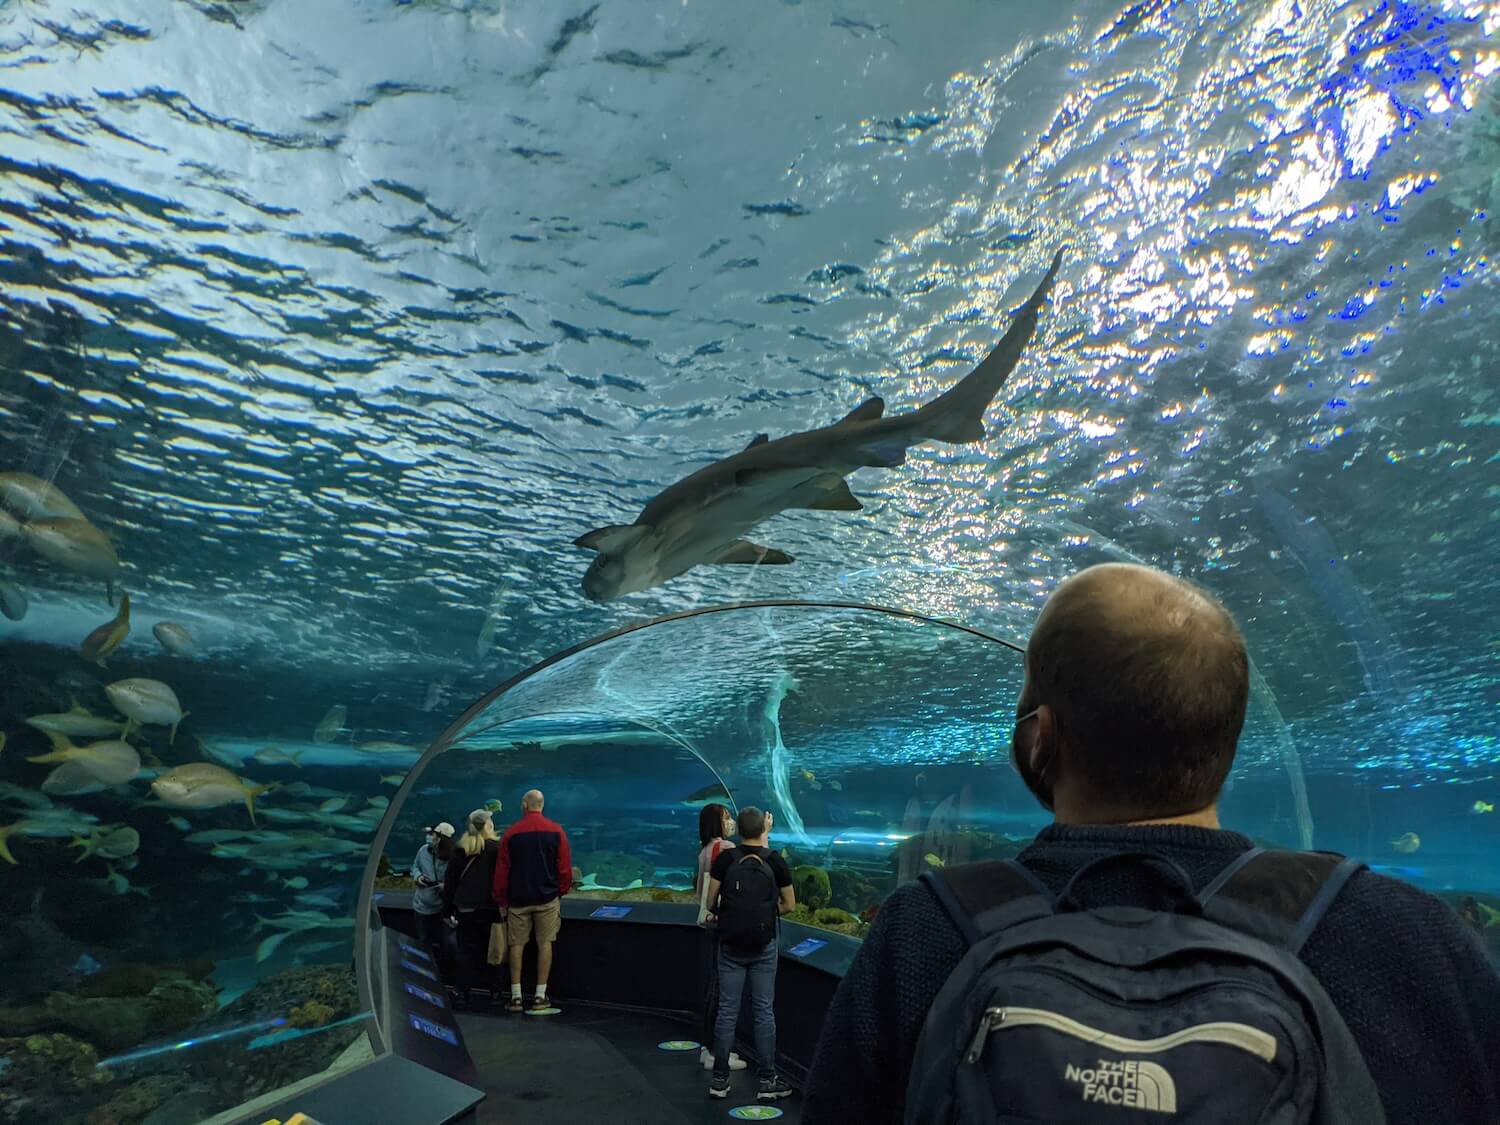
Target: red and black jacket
point(535, 864)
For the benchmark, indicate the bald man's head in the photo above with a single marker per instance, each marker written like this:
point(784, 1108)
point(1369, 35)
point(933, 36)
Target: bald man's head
point(533, 800)
point(1148, 678)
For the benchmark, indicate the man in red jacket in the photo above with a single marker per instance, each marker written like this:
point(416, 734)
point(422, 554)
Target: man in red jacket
point(534, 871)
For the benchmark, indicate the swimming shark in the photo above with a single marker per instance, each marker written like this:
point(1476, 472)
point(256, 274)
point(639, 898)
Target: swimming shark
point(702, 519)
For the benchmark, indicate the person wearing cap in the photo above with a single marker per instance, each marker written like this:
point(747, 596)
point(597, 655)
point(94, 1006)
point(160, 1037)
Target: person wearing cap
point(468, 901)
point(427, 871)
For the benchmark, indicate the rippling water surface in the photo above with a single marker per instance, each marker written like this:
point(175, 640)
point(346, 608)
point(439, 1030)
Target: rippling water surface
point(342, 318)
point(346, 318)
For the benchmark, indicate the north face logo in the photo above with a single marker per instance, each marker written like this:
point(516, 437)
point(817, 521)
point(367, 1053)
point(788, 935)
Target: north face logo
point(1129, 1084)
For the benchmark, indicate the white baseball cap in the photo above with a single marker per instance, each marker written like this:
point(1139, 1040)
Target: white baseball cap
point(442, 828)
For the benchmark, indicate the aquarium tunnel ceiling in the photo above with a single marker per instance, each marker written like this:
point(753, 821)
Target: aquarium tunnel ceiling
point(789, 707)
point(346, 320)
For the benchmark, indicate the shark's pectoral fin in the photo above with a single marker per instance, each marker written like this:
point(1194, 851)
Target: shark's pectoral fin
point(867, 411)
point(828, 493)
point(742, 551)
point(758, 439)
point(611, 540)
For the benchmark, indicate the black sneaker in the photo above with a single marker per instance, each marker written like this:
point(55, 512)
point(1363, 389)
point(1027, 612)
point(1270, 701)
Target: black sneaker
point(772, 1089)
point(718, 1088)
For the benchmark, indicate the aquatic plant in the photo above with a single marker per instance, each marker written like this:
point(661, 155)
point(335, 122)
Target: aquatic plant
point(811, 886)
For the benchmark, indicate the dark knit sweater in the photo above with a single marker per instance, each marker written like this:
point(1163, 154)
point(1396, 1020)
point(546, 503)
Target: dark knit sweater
point(1413, 985)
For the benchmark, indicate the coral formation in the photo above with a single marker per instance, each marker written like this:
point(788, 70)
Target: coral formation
point(829, 918)
point(123, 1010)
point(311, 1014)
point(47, 1078)
point(811, 886)
point(136, 1100)
point(854, 891)
point(128, 978)
point(320, 994)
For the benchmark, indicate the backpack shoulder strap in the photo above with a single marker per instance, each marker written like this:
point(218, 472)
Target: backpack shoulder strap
point(1279, 897)
point(985, 898)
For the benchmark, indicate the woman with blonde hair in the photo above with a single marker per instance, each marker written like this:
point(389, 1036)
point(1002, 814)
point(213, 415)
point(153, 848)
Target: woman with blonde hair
point(469, 899)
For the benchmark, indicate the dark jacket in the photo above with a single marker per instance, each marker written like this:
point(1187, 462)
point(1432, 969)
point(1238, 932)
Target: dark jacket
point(1411, 982)
point(535, 864)
point(466, 884)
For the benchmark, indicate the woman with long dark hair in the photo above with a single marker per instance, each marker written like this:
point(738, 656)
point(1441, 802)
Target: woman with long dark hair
point(715, 826)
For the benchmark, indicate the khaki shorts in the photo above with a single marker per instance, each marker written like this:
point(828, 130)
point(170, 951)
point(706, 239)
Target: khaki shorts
point(545, 918)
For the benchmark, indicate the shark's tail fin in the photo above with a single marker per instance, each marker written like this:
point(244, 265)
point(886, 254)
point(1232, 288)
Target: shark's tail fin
point(957, 415)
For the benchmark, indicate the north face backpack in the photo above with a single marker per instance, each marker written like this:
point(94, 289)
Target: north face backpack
point(747, 904)
point(1198, 1014)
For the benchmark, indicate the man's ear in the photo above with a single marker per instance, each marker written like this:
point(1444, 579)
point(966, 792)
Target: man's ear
point(1043, 747)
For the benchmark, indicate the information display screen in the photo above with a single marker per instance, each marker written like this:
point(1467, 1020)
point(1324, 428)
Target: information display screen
point(434, 1030)
point(806, 946)
point(431, 997)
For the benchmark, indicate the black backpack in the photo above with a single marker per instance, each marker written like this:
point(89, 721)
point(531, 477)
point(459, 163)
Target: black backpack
point(747, 903)
point(1126, 1016)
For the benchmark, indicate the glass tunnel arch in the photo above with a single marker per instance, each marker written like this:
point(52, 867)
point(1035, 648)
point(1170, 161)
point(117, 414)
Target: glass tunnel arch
point(808, 708)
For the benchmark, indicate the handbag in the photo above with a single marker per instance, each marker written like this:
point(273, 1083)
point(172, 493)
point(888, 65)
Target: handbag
point(458, 885)
point(499, 945)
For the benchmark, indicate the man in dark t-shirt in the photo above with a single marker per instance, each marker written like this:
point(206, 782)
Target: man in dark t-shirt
point(743, 871)
point(1134, 697)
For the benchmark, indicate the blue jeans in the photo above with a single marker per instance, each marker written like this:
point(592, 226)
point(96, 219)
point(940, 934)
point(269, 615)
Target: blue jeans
point(760, 967)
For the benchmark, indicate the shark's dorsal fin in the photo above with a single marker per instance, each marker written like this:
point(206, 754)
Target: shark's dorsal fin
point(867, 411)
point(758, 439)
point(608, 540)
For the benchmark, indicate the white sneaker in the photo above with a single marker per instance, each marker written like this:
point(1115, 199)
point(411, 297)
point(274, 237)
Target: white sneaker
point(706, 1060)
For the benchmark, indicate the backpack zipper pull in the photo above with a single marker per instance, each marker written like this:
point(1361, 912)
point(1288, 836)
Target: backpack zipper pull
point(992, 1018)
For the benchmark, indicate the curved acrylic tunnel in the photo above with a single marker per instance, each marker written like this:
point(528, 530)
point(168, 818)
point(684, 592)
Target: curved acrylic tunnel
point(878, 739)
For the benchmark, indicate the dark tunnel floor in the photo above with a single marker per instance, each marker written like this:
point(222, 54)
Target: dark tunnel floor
point(597, 1064)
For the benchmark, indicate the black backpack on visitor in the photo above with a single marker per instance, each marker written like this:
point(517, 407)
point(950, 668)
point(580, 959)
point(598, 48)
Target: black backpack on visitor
point(747, 903)
point(1200, 1014)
